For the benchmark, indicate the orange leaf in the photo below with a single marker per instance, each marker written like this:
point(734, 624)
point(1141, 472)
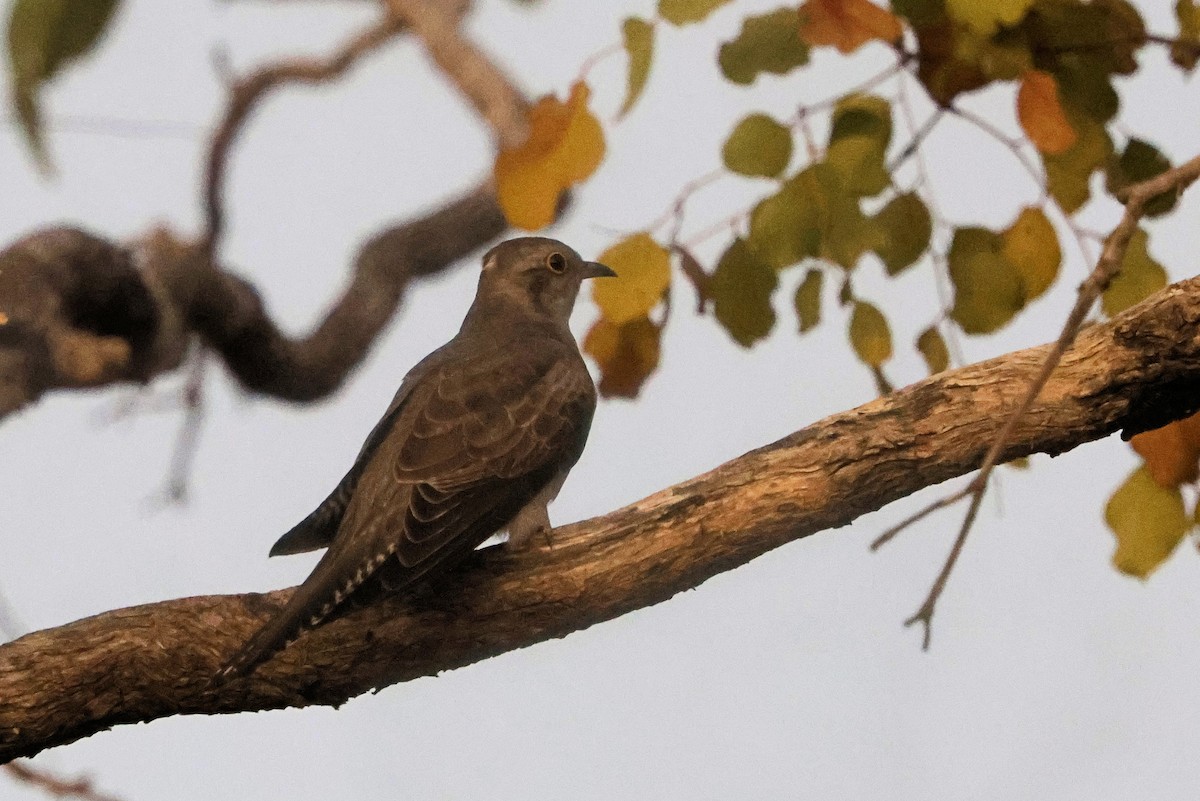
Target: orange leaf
point(627, 354)
point(1041, 114)
point(565, 145)
point(846, 24)
point(1172, 453)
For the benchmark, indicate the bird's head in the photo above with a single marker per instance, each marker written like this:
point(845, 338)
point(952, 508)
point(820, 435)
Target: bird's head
point(538, 274)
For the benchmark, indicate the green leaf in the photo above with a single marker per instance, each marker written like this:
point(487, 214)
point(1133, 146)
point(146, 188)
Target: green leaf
point(1148, 521)
point(986, 16)
point(870, 334)
point(682, 12)
point(741, 288)
point(1068, 175)
point(44, 36)
point(920, 12)
point(904, 227)
point(988, 289)
point(808, 300)
point(639, 46)
point(1085, 83)
point(785, 228)
point(1031, 245)
point(1141, 161)
point(1186, 51)
point(758, 146)
point(858, 141)
point(1140, 277)
point(933, 349)
point(768, 43)
point(643, 269)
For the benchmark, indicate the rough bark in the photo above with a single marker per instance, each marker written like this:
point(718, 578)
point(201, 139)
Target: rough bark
point(77, 310)
point(1136, 372)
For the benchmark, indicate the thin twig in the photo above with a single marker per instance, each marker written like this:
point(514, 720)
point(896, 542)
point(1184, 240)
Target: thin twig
point(189, 431)
point(1107, 267)
point(245, 95)
point(21, 771)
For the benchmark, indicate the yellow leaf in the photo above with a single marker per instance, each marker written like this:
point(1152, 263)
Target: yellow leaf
point(643, 269)
point(870, 334)
point(1172, 452)
point(681, 12)
point(564, 147)
point(847, 24)
point(1148, 521)
point(1041, 114)
point(627, 354)
point(933, 349)
point(1140, 277)
point(639, 46)
point(985, 16)
point(1031, 244)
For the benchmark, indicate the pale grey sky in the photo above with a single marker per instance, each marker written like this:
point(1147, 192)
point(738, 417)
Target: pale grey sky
point(1051, 676)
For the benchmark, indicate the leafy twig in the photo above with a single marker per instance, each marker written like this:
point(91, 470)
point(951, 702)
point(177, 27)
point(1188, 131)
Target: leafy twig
point(1107, 267)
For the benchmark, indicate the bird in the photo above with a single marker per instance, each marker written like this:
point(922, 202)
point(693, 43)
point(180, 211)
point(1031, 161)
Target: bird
point(478, 439)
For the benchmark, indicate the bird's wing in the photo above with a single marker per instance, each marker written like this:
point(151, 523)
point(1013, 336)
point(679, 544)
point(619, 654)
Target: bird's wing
point(318, 529)
point(471, 446)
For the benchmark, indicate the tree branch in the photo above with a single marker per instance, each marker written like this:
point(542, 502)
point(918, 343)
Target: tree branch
point(138, 664)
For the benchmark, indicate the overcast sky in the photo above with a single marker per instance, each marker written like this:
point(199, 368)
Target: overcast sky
point(1051, 676)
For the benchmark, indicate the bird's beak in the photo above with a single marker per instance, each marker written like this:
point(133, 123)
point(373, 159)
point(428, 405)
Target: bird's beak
point(593, 269)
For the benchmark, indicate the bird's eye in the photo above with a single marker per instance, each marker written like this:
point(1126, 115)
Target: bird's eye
point(557, 263)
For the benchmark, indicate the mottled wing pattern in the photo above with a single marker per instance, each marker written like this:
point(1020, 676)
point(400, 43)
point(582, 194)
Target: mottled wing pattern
point(472, 444)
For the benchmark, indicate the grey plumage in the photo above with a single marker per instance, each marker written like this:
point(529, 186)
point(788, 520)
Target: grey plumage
point(479, 438)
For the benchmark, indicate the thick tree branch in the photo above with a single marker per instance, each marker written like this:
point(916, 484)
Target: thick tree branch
point(79, 311)
point(1134, 373)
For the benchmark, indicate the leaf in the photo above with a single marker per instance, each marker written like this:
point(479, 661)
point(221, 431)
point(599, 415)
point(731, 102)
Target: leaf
point(920, 12)
point(847, 24)
point(986, 16)
point(808, 300)
point(758, 146)
point(742, 287)
point(1186, 50)
point(905, 228)
point(988, 289)
point(643, 269)
point(785, 228)
point(1041, 114)
point(44, 36)
point(1068, 174)
point(1148, 521)
point(564, 147)
point(767, 43)
point(933, 349)
point(1140, 277)
point(627, 354)
point(1031, 245)
point(639, 46)
point(858, 141)
point(1171, 453)
point(682, 12)
point(1141, 161)
point(870, 334)
point(1086, 85)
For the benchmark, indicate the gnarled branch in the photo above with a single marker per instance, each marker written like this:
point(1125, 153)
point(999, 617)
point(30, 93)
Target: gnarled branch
point(142, 663)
